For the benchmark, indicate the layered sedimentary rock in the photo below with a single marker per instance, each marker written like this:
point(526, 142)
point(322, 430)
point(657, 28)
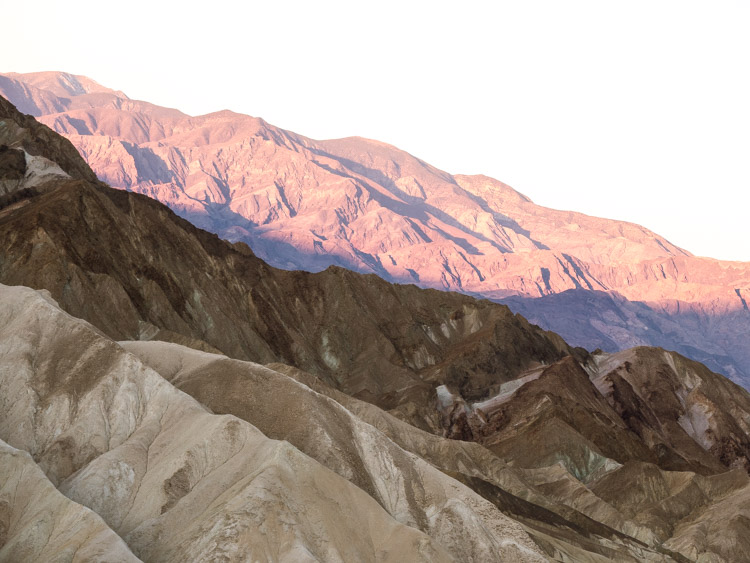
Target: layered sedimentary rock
point(642, 404)
point(116, 437)
point(367, 206)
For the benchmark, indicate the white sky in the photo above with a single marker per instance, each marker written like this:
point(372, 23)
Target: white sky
point(635, 110)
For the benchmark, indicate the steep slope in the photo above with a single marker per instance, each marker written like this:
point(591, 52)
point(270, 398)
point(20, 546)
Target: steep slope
point(643, 404)
point(569, 517)
point(720, 530)
point(367, 206)
point(23, 131)
point(559, 431)
point(411, 490)
point(96, 250)
point(178, 483)
point(128, 265)
point(677, 401)
point(38, 523)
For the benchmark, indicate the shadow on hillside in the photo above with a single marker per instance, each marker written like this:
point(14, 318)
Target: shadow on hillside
point(416, 208)
point(583, 317)
point(596, 319)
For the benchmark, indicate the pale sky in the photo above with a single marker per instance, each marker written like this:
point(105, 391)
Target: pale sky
point(635, 110)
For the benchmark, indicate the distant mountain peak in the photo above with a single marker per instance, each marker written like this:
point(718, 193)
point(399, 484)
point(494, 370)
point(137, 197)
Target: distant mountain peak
point(381, 422)
point(369, 206)
point(64, 83)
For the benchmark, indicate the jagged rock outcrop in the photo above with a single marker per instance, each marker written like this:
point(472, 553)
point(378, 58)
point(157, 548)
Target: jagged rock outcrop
point(20, 130)
point(370, 207)
point(678, 405)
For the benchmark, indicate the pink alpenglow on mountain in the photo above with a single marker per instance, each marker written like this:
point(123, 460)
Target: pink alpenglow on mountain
point(370, 207)
point(168, 396)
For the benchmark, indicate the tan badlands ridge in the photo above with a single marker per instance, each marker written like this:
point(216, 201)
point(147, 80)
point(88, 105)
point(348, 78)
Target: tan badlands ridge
point(188, 455)
point(367, 206)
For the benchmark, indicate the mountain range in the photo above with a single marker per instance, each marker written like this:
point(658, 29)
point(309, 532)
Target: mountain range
point(169, 396)
point(370, 207)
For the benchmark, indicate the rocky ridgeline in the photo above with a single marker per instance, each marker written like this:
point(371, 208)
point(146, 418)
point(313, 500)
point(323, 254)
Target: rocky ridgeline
point(369, 207)
point(159, 417)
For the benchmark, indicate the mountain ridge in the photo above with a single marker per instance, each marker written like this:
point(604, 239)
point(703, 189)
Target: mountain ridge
point(367, 206)
point(147, 434)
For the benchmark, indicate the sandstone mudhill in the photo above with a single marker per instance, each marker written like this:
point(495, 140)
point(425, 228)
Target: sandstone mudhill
point(40, 524)
point(370, 207)
point(175, 481)
point(112, 424)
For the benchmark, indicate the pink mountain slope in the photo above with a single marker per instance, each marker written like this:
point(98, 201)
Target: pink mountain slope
point(368, 206)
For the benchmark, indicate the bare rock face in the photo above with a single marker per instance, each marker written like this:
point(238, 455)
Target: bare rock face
point(117, 437)
point(38, 523)
point(566, 487)
point(675, 403)
point(644, 440)
point(721, 530)
point(176, 482)
point(24, 174)
point(413, 424)
point(411, 490)
point(132, 268)
point(18, 130)
point(643, 404)
point(367, 206)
